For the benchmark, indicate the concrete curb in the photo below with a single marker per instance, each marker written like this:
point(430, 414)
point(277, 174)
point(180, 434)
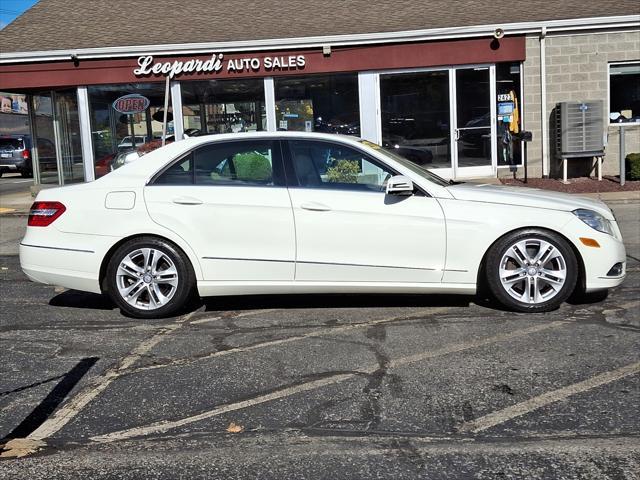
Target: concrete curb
point(15, 203)
point(628, 196)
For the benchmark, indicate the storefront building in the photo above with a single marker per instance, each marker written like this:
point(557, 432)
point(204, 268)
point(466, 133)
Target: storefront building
point(454, 99)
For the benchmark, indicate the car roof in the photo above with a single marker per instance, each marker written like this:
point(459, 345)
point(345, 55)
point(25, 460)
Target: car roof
point(279, 134)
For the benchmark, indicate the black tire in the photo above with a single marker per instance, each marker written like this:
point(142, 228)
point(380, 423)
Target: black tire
point(185, 276)
point(493, 264)
point(26, 174)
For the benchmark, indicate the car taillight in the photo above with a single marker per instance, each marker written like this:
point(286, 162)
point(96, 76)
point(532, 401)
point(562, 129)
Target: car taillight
point(45, 213)
point(26, 155)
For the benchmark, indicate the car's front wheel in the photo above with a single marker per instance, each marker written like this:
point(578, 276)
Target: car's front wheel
point(149, 278)
point(531, 270)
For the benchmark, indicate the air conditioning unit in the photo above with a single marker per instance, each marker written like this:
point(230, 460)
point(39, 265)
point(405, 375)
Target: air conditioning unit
point(580, 129)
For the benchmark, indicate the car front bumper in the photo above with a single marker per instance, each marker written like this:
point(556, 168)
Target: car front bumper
point(598, 261)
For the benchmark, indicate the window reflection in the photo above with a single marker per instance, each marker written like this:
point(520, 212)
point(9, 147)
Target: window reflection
point(116, 134)
point(473, 113)
point(509, 110)
point(45, 138)
point(333, 166)
point(223, 106)
point(70, 145)
point(415, 116)
point(318, 103)
point(624, 100)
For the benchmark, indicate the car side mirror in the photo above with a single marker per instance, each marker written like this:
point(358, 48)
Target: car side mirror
point(399, 185)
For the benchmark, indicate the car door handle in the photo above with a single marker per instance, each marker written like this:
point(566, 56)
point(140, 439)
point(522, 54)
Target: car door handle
point(187, 201)
point(315, 206)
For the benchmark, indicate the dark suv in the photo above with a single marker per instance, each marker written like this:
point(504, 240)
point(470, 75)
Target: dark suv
point(15, 155)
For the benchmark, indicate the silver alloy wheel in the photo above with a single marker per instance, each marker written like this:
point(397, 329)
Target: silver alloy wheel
point(533, 271)
point(147, 279)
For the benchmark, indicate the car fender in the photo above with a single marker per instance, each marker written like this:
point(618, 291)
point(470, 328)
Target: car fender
point(90, 215)
point(472, 227)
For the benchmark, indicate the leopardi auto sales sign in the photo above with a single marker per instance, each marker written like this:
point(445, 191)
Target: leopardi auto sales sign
point(217, 63)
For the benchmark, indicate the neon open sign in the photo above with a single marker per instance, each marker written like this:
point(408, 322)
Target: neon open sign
point(130, 104)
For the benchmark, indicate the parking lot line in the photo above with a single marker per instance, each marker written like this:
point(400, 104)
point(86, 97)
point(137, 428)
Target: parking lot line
point(64, 415)
point(501, 416)
point(239, 315)
point(323, 331)
point(166, 425)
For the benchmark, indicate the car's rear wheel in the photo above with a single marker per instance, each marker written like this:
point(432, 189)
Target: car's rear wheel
point(149, 277)
point(531, 270)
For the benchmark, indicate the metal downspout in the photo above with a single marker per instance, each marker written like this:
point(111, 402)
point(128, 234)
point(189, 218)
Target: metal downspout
point(543, 100)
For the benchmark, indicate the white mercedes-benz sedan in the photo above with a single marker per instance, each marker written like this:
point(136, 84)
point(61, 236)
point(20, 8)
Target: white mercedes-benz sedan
point(260, 213)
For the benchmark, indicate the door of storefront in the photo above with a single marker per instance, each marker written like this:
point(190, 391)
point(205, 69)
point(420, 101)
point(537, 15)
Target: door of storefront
point(473, 115)
point(442, 119)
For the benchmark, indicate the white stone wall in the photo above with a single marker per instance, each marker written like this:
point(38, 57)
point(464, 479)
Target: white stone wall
point(577, 70)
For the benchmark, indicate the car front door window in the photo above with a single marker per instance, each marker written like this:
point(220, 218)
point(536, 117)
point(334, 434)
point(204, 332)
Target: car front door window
point(334, 166)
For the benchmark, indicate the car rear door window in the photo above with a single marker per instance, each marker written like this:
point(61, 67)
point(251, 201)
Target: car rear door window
point(252, 163)
point(334, 166)
point(179, 173)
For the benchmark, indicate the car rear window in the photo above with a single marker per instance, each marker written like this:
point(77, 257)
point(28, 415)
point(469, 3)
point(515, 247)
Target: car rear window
point(11, 144)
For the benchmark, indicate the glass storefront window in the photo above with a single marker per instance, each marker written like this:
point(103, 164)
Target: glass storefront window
point(66, 103)
point(318, 104)
point(45, 138)
point(416, 116)
point(114, 132)
point(509, 114)
point(223, 106)
point(624, 92)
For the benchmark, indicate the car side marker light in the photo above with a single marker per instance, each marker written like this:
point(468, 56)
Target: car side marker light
point(589, 242)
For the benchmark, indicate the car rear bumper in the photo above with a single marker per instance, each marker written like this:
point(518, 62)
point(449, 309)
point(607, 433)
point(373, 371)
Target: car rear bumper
point(50, 265)
point(13, 164)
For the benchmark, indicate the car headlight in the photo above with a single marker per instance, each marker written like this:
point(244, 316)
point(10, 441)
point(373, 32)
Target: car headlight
point(594, 220)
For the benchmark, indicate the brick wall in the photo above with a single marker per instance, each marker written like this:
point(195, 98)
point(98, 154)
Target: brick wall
point(577, 69)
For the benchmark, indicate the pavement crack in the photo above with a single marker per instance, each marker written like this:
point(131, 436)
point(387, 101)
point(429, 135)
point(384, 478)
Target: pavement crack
point(318, 331)
point(371, 409)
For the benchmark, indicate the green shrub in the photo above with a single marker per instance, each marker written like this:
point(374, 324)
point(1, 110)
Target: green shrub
point(252, 167)
point(632, 166)
point(343, 171)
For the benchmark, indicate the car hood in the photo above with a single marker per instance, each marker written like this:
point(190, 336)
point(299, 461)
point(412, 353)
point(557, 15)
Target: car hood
point(526, 197)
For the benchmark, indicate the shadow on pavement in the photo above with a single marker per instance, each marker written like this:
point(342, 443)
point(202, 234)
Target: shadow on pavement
point(77, 299)
point(39, 414)
point(293, 301)
point(92, 301)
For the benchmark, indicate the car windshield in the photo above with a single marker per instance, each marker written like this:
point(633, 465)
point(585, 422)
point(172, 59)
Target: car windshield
point(11, 144)
point(424, 173)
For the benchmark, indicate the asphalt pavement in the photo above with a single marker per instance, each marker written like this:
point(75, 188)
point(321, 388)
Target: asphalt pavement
point(13, 183)
point(325, 387)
